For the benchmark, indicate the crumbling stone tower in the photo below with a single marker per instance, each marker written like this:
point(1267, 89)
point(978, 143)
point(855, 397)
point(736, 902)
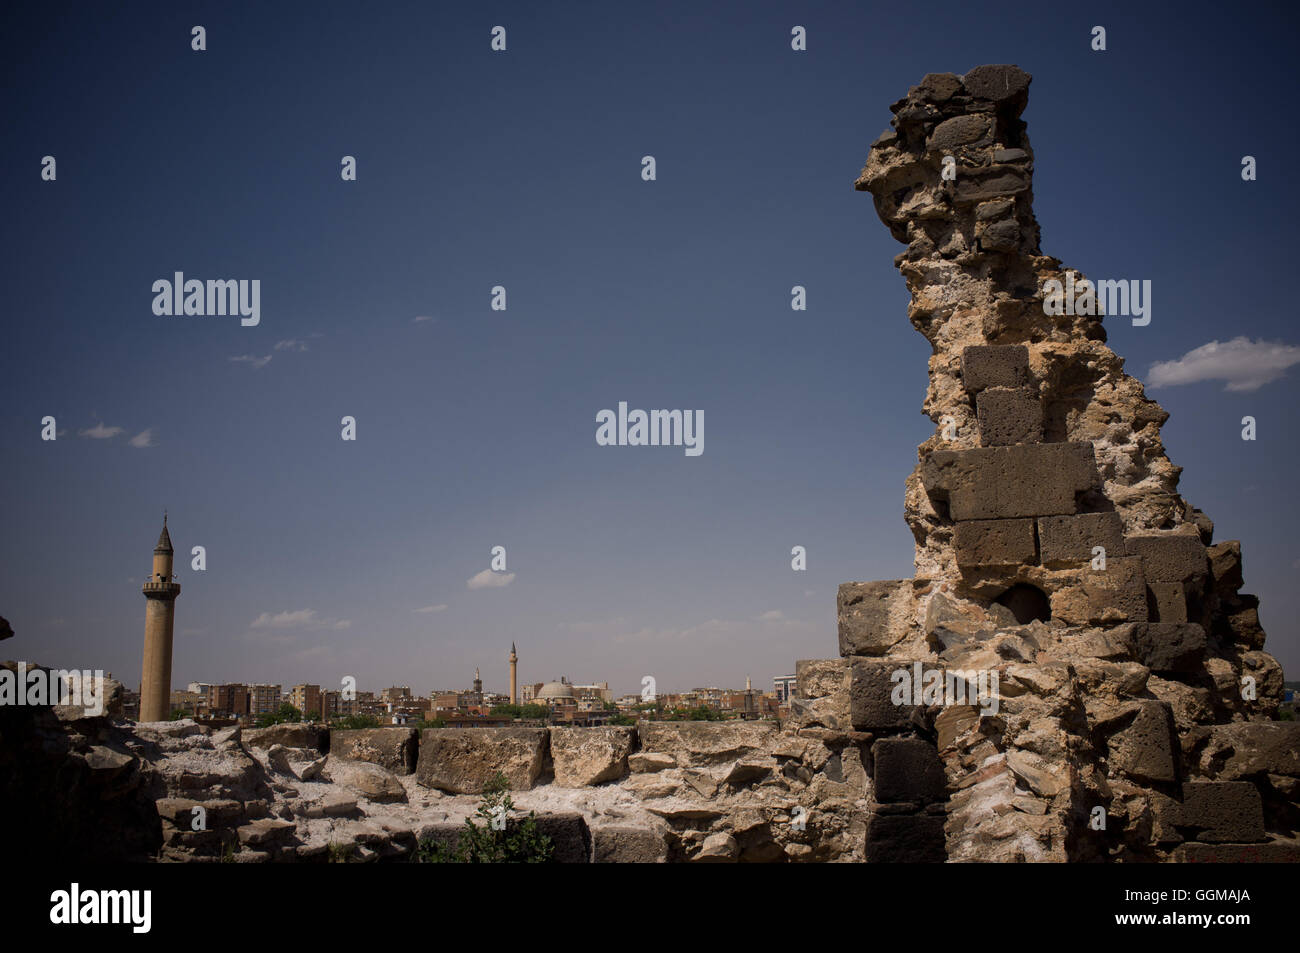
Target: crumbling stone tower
point(1134, 701)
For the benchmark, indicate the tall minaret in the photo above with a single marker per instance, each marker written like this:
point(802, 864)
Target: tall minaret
point(514, 675)
point(160, 610)
point(478, 683)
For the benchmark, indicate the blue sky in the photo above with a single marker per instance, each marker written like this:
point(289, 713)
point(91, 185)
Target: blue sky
point(476, 427)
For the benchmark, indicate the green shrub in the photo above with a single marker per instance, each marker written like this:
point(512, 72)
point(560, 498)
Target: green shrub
point(355, 722)
point(703, 713)
point(285, 713)
point(501, 839)
point(522, 711)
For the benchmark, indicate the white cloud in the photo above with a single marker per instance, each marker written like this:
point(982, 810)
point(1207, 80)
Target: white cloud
point(292, 344)
point(298, 618)
point(422, 318)
point(427, 609)
point(772, 615)
point(257, 363)
point(488, 579)
point(1244, 365)
point(143, 439)
point(283, 620)
point(100, 432)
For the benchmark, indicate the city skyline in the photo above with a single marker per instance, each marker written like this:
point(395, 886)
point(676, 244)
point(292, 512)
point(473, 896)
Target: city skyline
point(439, 687)
point(591, 702)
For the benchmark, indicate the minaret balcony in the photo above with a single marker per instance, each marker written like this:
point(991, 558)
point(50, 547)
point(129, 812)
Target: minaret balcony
point(156, 589)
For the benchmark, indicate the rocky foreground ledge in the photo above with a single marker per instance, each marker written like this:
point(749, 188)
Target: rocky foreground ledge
point(101, 788)
point(928, 784)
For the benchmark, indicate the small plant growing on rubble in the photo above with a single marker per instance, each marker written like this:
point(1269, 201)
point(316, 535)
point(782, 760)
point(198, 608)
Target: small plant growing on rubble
point(703, 713)
point(355, 721)
point(285, 713)
point(500, 839)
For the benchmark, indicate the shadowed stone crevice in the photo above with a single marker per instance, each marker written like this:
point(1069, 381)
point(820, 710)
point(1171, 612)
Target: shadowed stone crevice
point(1027, 603)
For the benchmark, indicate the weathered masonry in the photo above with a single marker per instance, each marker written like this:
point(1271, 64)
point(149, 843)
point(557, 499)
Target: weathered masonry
point(1136, 711)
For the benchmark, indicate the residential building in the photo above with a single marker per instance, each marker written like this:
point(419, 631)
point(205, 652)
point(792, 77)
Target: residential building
point(229, 700)
point(784, 686)
point(263, 699)
point(306, 698)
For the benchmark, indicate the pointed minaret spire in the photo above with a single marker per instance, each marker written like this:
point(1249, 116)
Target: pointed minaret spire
point(164, 538)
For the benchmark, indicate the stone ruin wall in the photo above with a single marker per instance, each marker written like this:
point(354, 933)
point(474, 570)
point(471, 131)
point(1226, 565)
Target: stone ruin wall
point(1121, 688)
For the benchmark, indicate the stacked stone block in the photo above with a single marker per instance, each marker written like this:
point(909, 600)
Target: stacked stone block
point(906, 815)
point(1007, 406)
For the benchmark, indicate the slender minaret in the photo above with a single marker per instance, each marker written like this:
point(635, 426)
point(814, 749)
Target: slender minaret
point(478, 683)
point(160, 611)
point(514, 675)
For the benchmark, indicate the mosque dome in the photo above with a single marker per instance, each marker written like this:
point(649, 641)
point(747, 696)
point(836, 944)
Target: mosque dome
point(556, 690)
